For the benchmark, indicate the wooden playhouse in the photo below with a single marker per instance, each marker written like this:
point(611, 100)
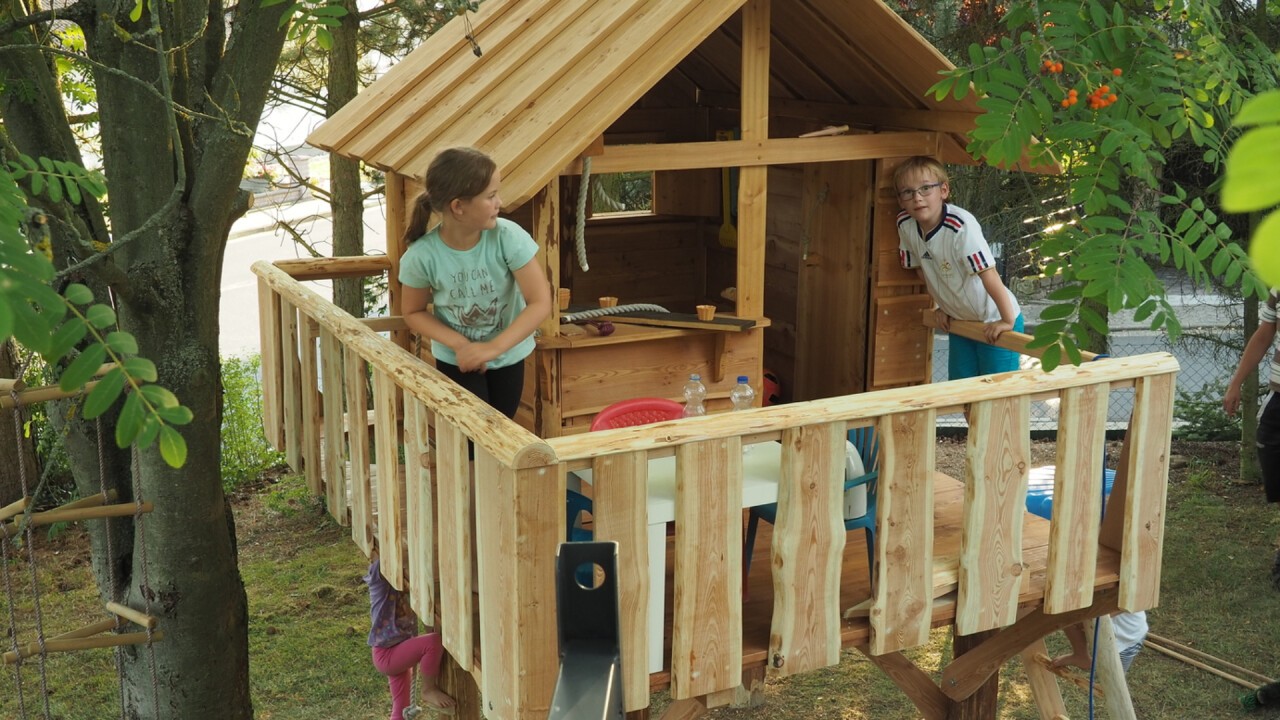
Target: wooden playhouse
point(646, 87)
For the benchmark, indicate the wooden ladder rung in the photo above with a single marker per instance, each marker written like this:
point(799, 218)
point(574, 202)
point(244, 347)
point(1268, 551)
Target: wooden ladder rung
point(60, 644)
point(73, 514)
point(131, 615)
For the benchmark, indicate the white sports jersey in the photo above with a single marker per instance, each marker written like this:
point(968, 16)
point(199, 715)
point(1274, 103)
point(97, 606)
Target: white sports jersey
point(951, 257)
point(1267, 314)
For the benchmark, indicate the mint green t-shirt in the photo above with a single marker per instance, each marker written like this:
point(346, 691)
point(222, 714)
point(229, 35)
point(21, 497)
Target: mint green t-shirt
point(474, 291)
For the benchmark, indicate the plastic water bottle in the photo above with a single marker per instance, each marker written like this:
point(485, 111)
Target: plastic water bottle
point(742, 395)
point(695, 396)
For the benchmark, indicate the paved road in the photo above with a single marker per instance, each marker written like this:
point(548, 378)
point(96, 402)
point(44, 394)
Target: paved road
point(254, 238)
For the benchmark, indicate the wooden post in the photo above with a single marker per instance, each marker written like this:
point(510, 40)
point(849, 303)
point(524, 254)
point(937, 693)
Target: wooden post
point(808, 542)
point(1110, 670)
point(310, 388)
point(420, 508)
point(453, 481)
point(335, 471)
point(1044, 684)
point(546, 232)
point(981, 705)
point(358, 442)
point(518, 534)
point(397, 219)
point(1077, 499)
point(272, 392)
point(390, 496)
point(460, 684)
point(290, 376)
point(753, 181)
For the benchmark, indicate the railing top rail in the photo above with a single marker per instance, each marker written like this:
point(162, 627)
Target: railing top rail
point(862, 407)
point(508, 442)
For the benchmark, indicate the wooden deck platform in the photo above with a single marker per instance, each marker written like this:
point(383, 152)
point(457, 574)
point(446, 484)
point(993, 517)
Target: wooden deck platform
point(855, 587)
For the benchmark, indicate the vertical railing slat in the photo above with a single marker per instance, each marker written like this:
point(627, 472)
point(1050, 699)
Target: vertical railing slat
point(620, 513)
point(453, 481)
point(998, 455)
point(808, 546)
point(1144, 508)
point(358, 446)
point(517, 535)
point(335, 471)
point(390, 483)
point(420, 511)
point(706, 638)
point(310, 386)
point(290, 376)
point(902, 603)
point(1077, 499)
point(272, 351)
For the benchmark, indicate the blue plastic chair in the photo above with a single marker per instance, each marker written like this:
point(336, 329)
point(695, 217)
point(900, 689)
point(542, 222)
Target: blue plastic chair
point(868, 446)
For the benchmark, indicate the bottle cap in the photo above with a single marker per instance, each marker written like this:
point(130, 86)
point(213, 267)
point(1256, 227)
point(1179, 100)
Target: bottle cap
point(695, 376)
point(742, 379)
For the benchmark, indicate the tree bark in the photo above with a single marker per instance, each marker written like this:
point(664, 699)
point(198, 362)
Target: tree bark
point(345, 193)
point(174, 172)
point(17, 448)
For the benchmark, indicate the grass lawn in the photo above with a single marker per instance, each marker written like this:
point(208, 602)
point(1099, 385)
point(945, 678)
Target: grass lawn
point(309, 617)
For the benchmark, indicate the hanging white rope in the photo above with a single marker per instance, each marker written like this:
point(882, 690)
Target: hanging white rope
point(145, 585)
point(580, 231)
point(31, 556)
point(8, 582)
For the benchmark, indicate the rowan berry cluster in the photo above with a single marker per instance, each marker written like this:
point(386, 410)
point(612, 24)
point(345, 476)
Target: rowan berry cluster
point(1051, 66)
point(1101, 97)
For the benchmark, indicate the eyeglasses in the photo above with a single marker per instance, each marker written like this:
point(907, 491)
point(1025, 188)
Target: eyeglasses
point(923, 191)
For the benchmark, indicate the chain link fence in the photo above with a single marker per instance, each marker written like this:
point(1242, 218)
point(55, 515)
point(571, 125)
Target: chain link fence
point(1207, 356)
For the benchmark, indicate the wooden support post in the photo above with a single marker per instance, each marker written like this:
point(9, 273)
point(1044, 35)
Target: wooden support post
point(453, 482)
point(358, 442)
point(335, 471)
point(398, 203)
point(390, 493)
point(753, 181)
point(1044, 684)
point(420, 508)
point(546, 232)
point(981, 705)
point(913, 682)
point(1109, 669)
point(462, 687)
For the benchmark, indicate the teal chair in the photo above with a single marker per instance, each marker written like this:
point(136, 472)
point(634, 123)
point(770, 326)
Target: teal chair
point(868, 446)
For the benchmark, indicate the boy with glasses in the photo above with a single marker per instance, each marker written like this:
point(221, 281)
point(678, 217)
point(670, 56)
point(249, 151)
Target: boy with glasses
point(945, 246)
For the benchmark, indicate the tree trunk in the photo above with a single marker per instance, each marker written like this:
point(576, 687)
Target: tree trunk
point(174, 171)
point(17, 447)
point(344, 173)
point(1249, 469)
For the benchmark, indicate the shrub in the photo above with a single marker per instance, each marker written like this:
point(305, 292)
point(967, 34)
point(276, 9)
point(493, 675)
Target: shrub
point(1199, 415)
point(246, 454)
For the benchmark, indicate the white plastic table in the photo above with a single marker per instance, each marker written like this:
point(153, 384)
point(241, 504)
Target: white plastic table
point(760, 465)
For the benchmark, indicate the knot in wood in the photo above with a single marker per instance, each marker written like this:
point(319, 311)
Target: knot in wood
point(779, 660)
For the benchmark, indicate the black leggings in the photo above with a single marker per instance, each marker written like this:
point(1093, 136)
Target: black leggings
point(500, 389)
point(1269, 446)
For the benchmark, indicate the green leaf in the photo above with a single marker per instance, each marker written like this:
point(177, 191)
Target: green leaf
point(68, 334)
point(172, 447)
point(175, 415)
point(1251, 181)
point(122, 343)
point(1264, 250)
point(6, 320)
point(82, 368)
point(136, 13)
point(78, 294)
point(101, 316)
point(150, 430)
point(1051, 358)
point(1057, 312)
point(130, 422)
point(1260, 110)
point(140, 368)
point(73, 191)
point(104, 394)
point(158, 396)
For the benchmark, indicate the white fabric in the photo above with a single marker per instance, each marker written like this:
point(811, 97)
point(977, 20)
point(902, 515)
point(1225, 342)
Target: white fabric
point(951, 257)
point(855, 498)
point(1130, 628)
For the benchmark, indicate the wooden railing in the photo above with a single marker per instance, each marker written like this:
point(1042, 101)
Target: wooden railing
point(514, 492)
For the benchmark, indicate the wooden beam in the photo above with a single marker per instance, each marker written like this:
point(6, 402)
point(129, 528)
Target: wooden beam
point(965, 674)
point(758, 153)
point(913, 682)
point(948, 121)
point(332, 268)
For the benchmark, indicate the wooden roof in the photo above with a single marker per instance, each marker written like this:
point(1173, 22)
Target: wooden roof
point(555, 74)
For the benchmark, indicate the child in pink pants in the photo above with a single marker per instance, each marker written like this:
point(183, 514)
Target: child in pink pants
point(397, 647)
